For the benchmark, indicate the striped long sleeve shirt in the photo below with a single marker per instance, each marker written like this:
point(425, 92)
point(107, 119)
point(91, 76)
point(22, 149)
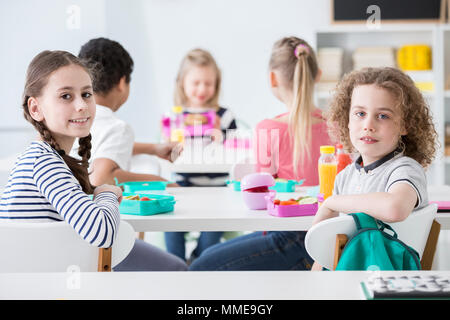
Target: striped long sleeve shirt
point(41, 188)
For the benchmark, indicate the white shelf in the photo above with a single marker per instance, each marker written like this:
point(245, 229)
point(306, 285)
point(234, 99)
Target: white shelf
point(384, 27)
point(437, 36)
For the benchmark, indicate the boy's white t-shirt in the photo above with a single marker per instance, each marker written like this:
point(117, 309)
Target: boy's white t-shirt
point(112, 138)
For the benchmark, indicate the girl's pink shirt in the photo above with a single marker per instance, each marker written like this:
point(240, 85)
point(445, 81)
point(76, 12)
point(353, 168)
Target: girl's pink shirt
point(272, 135)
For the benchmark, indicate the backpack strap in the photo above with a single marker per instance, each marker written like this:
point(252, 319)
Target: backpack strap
point(364, 221)
point(384, 225)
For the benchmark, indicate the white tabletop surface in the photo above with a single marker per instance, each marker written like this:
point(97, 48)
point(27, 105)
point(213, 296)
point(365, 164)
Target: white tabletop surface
point(223, 209)
point(217, 285)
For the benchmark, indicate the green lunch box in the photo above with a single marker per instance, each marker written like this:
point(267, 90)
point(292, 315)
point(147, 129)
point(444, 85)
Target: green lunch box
point(286, 186)
point(280, 186)
point(139, 186)
point(158, 204)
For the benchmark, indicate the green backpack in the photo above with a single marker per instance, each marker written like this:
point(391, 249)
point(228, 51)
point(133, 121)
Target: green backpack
point(371, 248)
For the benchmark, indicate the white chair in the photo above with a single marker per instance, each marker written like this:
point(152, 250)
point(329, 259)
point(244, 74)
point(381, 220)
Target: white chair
point(325, 240)
point(55, 246)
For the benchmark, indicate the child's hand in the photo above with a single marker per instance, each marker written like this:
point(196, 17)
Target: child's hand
point(216, 134)
point(168, 151)
point(217, 122)
point(324, 213)
point(107, 187)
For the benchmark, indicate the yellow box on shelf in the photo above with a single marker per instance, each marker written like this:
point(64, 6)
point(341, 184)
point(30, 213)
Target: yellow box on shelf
point(414, 57)
point(425, 86)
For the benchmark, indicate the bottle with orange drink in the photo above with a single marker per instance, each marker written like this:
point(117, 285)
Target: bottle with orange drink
point(177, 127)
point(327, 170)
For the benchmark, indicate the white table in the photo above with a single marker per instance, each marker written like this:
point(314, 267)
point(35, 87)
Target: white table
point(217, 285)
point(223, 209)
point(215, 209)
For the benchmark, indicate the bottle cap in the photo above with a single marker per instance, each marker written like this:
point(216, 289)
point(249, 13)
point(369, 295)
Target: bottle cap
point(177, 109)
point(327, 149)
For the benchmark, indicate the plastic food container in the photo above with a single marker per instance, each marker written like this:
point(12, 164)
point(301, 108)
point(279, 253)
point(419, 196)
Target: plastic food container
point(255, 187)
point(286, 186)
point(157, 204)
point(139, 186)
point(200, 130)
point(293, 210)
point(236, 184)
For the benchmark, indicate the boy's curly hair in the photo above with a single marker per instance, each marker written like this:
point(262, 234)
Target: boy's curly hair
point(420, 142)
point(108, 61)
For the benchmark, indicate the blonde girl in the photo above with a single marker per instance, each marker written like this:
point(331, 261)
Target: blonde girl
point(285, 146)
point(197, 90)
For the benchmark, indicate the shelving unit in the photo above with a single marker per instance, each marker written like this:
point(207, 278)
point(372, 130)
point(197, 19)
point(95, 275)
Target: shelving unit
point(437, 36)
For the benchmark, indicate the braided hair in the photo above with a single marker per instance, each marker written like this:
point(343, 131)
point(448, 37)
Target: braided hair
point(37, 76)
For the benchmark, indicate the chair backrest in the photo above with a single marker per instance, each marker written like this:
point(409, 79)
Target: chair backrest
point(54, 247)
point(321, 238)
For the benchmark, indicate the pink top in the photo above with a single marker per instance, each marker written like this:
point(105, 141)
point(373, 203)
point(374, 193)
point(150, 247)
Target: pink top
point(272, 136)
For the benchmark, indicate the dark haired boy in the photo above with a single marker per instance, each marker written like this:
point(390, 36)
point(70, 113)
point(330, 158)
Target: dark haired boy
point(112, 138)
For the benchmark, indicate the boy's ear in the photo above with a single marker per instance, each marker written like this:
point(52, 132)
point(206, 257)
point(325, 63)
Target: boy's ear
point(273, 79)
point(34, 109)
point(122, 83)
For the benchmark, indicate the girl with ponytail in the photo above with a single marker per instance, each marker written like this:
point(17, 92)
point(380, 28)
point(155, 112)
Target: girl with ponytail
point(284, 145)
point(288, 147)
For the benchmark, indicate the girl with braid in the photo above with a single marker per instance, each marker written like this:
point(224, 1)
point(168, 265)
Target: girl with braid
point(46, 184)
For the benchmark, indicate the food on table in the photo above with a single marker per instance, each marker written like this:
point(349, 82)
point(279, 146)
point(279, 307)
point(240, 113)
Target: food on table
point(258, 189)
point(301, 200)
point(133, 197)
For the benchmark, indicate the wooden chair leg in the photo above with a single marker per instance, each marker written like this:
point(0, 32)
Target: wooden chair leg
point(341, 240)
point(430, 247)
point(104, 259)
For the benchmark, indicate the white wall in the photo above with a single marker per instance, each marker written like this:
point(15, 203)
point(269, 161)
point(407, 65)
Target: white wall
point(157, 33)
point(26, 28)
point(239, 34)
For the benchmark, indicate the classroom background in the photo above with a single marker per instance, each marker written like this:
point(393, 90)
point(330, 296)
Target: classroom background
point(157, 34)
point(239, 35)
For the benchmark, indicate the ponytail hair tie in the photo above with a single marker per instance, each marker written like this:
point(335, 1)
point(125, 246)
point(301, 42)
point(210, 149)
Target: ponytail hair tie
point(299, 49)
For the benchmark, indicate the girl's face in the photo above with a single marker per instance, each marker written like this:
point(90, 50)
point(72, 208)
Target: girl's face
point(199, 85)
point(374, 122)
point(66, 105)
